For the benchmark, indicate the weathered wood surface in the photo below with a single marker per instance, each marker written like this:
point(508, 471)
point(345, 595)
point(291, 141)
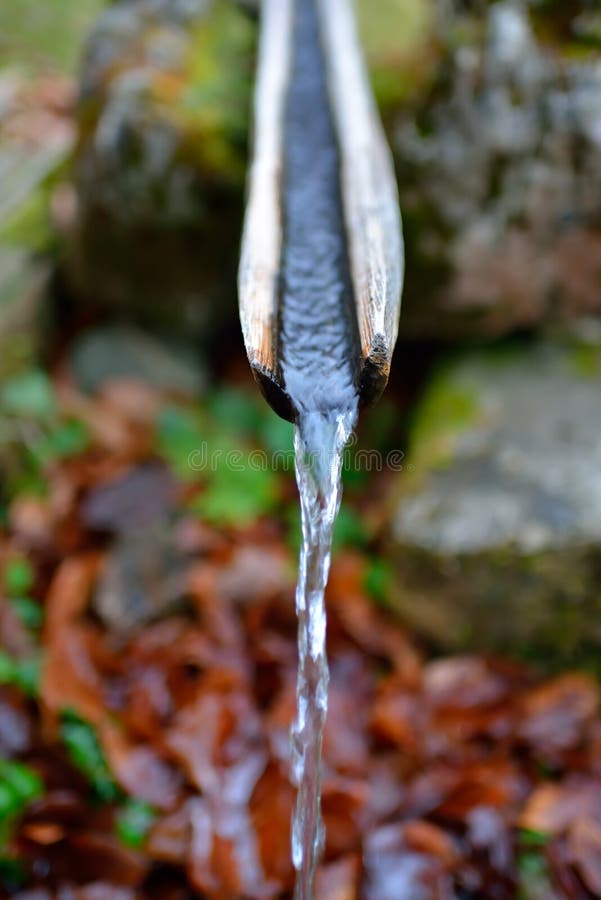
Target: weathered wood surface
point(258, 279)
point(369, 194)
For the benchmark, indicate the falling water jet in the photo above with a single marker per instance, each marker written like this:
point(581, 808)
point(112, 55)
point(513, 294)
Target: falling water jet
point(319, 445)
point(319, 288)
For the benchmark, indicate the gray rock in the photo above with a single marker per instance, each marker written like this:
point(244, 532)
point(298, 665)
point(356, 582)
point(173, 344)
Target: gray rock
point(137, 499)
point(500, 175)
point(163, 115)
point(121, 351)
point(143, 578)
point(497, 533)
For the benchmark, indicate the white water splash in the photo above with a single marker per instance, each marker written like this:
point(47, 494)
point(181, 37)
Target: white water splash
point(319, 445)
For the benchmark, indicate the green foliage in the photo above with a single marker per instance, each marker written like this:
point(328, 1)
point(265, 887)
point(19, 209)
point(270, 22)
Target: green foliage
point(28, 611)
point(349, 530)
point(18, 576)
point(445, 410)
point(85, 752)
point(213, 106)
point(378, 580)
point(37, 36)
point(533, 871)
point(29, 224)
point(62, 440)
point(212, 447)
point(398, 36)
point(237, 497)
point(19, 785)
point(134, 820)
point(529, 838)
point(29, 395)
point(180, 437)
point(33, 433)
point(586, 359)
point(22, 673)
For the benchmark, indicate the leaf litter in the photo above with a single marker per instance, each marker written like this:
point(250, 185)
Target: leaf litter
point(144, 751)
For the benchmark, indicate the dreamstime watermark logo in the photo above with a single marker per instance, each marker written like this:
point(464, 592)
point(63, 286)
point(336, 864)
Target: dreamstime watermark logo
point(209, 459)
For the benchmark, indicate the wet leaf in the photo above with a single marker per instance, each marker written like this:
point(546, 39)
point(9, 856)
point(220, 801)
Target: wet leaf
point(134, 821)
point(584, 848)
point(553, 808)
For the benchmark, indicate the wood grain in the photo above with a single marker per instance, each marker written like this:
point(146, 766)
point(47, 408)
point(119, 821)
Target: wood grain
point(369, 195)
point(258, 277)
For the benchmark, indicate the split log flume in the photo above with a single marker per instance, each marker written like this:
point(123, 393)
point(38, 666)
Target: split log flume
point(320, 279)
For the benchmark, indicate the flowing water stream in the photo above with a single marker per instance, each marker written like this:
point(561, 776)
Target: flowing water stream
point(318, 355)
point(319, 447)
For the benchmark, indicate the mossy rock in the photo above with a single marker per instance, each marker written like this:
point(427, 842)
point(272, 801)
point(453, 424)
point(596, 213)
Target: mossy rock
point(496, 529)
point(163, 117)
point(500, 174)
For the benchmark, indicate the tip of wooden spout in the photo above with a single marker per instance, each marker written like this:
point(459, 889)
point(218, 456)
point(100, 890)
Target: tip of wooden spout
point(273, 391)
point(375, 371)
point(370, 205)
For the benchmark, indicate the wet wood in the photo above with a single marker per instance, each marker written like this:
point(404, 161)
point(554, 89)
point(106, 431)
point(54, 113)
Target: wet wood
point(369, 195)
point(258, 278)
point(369, 198)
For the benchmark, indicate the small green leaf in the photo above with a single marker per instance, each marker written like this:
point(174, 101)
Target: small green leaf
point(86, 755)
point(18, 577)
point(134, 821)
point(23, 782)
point(63, 440)
point(349, 530)
point(22, 673)
point(29, 612)
point(530, 838)
point(181, 439)
point(30, 395)
point(238, 497)
point(378, 580)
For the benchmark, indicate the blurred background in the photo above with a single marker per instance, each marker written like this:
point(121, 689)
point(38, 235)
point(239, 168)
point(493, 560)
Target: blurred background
point(123, 151)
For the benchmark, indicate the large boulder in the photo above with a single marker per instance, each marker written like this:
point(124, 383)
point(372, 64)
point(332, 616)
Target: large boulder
point(163, 122)
point(496, 531)
point(500, 174)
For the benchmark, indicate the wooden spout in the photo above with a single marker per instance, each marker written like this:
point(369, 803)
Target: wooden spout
point(369, 200)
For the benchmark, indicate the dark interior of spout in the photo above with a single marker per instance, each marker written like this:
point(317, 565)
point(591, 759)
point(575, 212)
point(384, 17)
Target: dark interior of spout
point(317, 340)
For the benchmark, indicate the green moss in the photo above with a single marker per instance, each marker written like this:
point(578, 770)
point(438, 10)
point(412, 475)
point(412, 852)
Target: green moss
point(398, 36)
point(37, 36)
point(445, 410)
point(212, 102)
point(586, 359)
